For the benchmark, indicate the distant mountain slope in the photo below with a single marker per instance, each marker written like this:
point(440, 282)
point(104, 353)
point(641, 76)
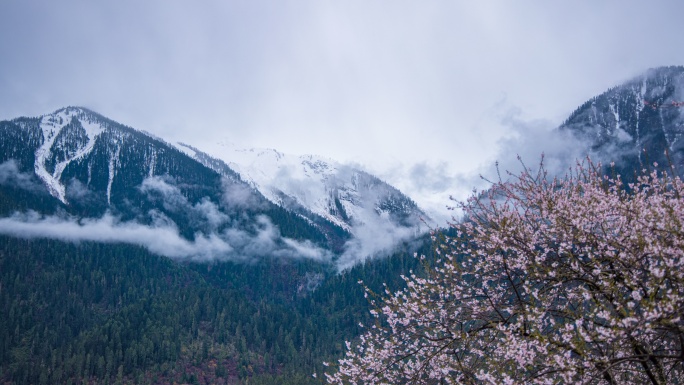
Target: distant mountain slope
point(87, 206)
point(344, 202)
point(636, 123)
point(339, 193)
point(77, 164)
point(106, 158)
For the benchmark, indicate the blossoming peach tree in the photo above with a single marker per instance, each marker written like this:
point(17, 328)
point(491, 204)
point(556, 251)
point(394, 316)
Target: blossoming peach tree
point(573, 280)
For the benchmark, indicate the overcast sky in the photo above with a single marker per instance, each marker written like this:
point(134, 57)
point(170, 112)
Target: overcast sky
point(419, 92)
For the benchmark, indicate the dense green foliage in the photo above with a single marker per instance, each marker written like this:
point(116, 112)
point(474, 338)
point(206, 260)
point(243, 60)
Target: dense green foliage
point(118, 314)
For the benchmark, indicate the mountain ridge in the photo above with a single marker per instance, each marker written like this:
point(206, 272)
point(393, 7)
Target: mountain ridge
point(637, 123)
point(286, 179)
point(137, 177)
point(108, 309)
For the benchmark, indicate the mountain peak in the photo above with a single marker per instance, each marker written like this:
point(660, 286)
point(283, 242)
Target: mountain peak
point(99, 169)
point(69, 134)
point(636, 123)
point(316, 186)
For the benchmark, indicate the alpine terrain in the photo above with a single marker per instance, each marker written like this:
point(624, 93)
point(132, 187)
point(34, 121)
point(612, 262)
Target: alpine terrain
point(127, 259)
point(637, 123)
point(82, 164)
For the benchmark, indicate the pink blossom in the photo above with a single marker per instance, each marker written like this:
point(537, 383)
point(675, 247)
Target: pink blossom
point(550, 280)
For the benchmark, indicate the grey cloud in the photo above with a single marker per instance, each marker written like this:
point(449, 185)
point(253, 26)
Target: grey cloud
point(304, 188)
point(210, 211)
point(255, 238)
point(239, 196)
point(432, 185)
point(304, 249)
point(425, 177)
point(163, 238)
point(310, 282)
point(205, 210)
point(529, 140)
point(161, 187)
point(11, 176)
point(159, 184)
point(374, 238)
point(75, 190)
point(561, 149)
point(525, 142)
point(374, 233)
point(260, 238)
point(265, 239)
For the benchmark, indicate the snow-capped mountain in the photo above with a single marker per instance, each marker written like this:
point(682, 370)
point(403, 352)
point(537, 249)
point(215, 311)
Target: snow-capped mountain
point(79, 165)
point(84, 165)
point(636, 123)
point(75, 145)
point(314, 186)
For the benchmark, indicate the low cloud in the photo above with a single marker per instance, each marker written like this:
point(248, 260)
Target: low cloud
point(160, 240)
point(310, 184)
point(77, 191)
point(265, 239)
point(375, 233)
point(561, 148)
point(160, 184)
point(12, 177)
point(163, 188)
point(525, 144)
point(163, 238)
point(293, 181)
point(205, 211)
point(375, 239)
point(219, 237)
point(433, 184)
point(239, 196)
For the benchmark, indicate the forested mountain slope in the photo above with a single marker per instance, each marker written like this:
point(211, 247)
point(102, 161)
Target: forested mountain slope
point(117, 313)
point(637, 123)
point(125, 260)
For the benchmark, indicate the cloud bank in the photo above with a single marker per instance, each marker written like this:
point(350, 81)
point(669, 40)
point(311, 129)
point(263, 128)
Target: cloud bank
point(163, 240)
point(375, 233)
point(219, 238)
point(437, 187)
point(222, 230)
point(264, 239)
point(11, 176)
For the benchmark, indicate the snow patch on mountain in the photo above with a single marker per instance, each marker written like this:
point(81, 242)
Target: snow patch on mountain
point(636, 122)
point(341, 194)
point(51, 126)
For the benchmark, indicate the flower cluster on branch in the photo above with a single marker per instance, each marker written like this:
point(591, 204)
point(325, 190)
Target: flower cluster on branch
point(573, 280)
